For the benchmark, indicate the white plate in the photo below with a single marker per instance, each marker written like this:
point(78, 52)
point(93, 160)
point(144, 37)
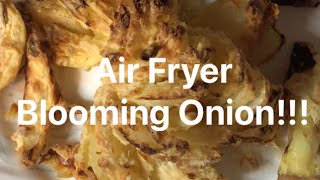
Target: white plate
point(296, 23)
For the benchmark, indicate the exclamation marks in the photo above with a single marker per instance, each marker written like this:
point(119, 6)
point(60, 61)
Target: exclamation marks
point(304, 105)
point(292, 112)
point(281, 112)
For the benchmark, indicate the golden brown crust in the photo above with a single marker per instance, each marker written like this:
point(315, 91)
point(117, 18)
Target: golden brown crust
point(250, 24)
point(301, 158)
point(12, 42)
point(73, 44)
point(39, 85)
point(139, 30)
point(61, 158)
point(191, 46)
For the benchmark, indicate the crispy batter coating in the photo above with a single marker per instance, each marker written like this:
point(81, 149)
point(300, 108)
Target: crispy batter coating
point(12, 42)
point(301, 158)
point(39, 85)
point(139, 30)
point(250, 24)
point(172, 154)
point(72, 42)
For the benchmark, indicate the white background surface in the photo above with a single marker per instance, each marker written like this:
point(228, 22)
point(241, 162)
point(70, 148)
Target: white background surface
point(296, 23)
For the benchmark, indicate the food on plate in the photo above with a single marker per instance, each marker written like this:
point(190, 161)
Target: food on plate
point(12, 42)
point(90, 25)
point(39, 85)
point(250, 24)
point(73, 43)
point(80, 33)
point(301, 158)
point(141, 30)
